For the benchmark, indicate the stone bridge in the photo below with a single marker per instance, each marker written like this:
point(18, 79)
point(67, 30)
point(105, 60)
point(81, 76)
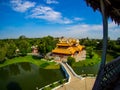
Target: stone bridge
point(76, 82)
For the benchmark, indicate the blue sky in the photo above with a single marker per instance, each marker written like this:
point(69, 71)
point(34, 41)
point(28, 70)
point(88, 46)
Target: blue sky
point(38, 18)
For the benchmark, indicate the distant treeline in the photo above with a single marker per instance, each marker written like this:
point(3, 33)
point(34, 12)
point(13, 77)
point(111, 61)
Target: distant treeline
point(8, 47)
point(113, 47)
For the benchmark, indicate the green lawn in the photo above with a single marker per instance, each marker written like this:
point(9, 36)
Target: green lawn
point(91, 66)
point(88, 61)
point(39, 62)
point(109, 56)
point(88, 66)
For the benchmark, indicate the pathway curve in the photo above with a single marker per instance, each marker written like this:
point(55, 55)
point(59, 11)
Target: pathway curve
point(77, 83)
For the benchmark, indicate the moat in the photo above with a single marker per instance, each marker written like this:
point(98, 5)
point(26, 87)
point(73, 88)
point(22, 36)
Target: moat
point(27, 76)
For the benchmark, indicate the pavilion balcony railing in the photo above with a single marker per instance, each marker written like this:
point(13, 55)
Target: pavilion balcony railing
point(110, 75)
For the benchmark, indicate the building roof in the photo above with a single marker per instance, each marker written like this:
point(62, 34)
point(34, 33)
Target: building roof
point(63, 44)
point(61, 51)
point(112, 8)
point(70, 50)
point(67, 46)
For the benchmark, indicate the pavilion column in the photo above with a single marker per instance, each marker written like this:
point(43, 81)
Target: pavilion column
point(104, 47)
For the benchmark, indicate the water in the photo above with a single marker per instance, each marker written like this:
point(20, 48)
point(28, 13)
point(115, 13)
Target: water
point(26, 76)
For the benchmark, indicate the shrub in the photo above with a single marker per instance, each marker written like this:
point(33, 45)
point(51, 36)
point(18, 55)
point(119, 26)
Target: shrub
point(52, 86)
point(61, 81)
point(70, 60)
point(47, 88)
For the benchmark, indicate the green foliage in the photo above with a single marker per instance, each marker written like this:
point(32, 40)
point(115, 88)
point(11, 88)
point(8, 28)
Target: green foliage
point(70, 60)
point(44, 65)
point(47, 88)
point(61, 81)
point(90, 52)
point(88, 62)
point(3, 49)
point(53, 85)
point(111, 55)
point(118, 40)
point(22, 37)
point(23, 47)
point(11, 47)
point(37, 57)
point(2, 54)
point(52, 65)
point(46, 44)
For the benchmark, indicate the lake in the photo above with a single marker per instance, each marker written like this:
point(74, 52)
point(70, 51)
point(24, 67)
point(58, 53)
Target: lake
point(27, 76)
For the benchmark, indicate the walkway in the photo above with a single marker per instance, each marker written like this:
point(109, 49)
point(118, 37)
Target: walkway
point(77, 83)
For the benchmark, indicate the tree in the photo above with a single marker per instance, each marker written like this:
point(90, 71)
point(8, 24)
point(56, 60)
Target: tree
point(70, 60)
point(3, 49)
point(111, 45)
point(11, 47)
point(2, 54)
point(23, 47)
point(118, 40)
point(46, 44)
point(42, 48)
point(22, 37)
point(90, 52)
point(99, 44)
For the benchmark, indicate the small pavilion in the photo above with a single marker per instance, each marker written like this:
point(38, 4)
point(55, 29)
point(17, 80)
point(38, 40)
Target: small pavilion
point(34, 49)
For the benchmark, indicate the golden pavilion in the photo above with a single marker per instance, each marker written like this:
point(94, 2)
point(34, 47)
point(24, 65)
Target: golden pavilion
point(67, 47)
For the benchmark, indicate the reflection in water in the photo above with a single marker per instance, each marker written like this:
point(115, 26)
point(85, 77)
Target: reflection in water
point(13, 86)
point(27, 76)
point(25, 66)
point(14, 69)
point(4, 73)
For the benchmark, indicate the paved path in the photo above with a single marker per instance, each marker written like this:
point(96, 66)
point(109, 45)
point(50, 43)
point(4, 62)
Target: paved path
point(77, 83)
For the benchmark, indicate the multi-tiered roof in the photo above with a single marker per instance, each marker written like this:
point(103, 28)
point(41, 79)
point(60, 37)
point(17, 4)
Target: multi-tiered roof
point(67, 46)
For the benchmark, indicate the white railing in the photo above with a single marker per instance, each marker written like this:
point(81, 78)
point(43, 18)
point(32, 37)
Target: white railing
point(78, 76)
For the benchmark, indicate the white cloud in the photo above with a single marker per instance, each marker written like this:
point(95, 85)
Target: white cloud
point(113, 30)
point(21, 6)
point(64, 21)
point(78, 19)
point(91, 31)
point(47, 13)
point(84, 28)
point(39, 11)
point(52, 2)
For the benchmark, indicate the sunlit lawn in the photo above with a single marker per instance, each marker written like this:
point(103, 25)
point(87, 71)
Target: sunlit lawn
point(39, 62)
point(109, 57)
point(88, 66)
point(88, 61)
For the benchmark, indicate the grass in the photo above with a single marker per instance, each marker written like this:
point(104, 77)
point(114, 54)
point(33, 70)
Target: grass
point(39, 62)
point(91, 66)
point(88, 66)
point(109, 56)
point(53, 85)
point(88, 61)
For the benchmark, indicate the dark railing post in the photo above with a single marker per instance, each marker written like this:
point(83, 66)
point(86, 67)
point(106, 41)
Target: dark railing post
point(104, 47)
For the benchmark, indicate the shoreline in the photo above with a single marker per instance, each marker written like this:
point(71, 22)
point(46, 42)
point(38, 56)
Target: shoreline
point(29, 59)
